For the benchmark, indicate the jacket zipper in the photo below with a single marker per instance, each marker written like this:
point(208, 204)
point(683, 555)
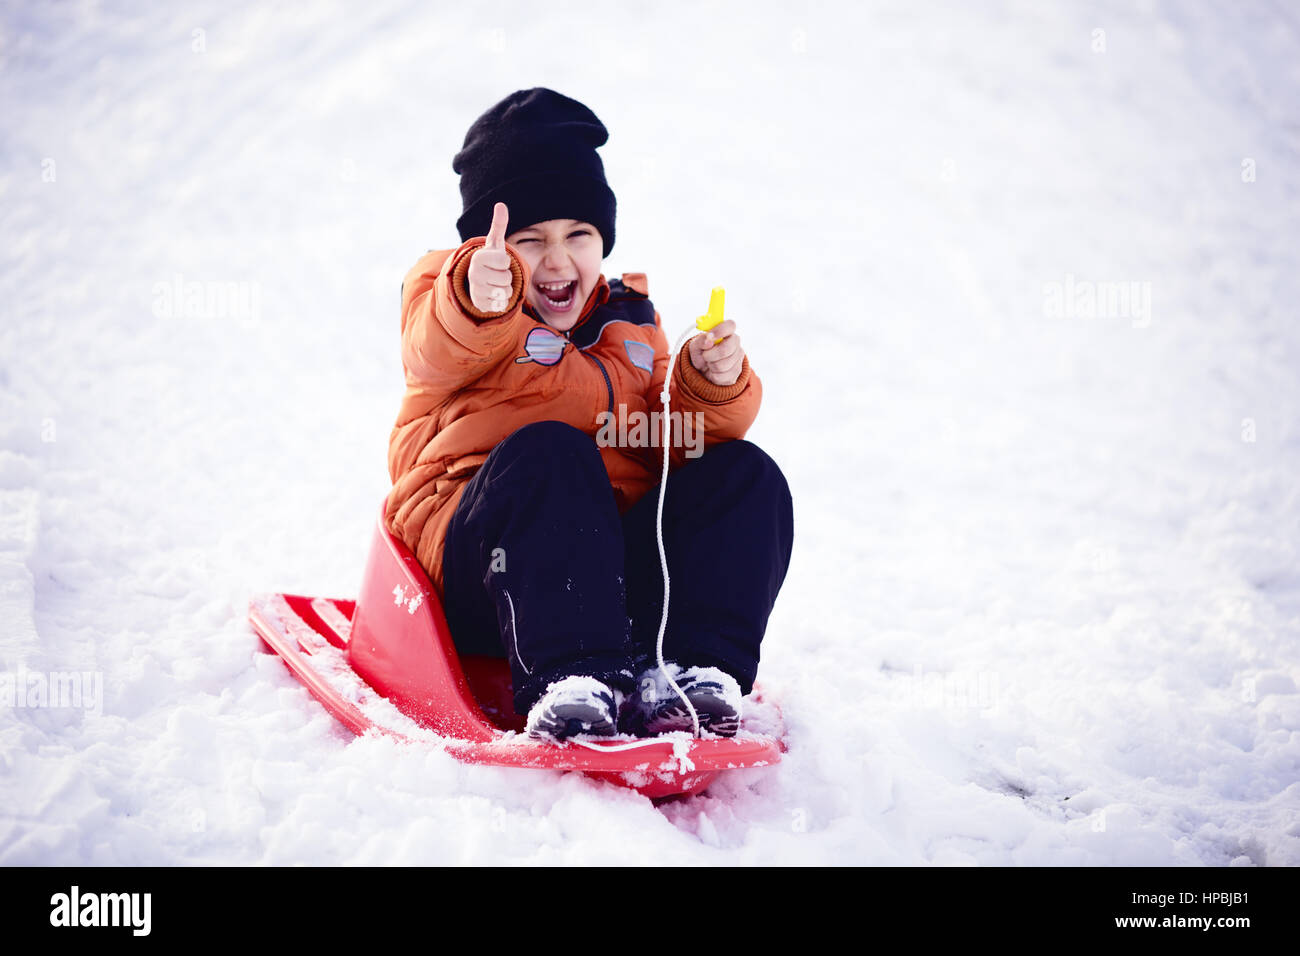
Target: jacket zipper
point(609, 386)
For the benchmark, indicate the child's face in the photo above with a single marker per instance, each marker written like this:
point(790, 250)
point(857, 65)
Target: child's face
point(560, 250)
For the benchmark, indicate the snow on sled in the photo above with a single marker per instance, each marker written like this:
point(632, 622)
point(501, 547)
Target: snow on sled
point(386, 663)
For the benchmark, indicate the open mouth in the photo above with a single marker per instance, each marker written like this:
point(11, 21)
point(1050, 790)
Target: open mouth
point(558, 295)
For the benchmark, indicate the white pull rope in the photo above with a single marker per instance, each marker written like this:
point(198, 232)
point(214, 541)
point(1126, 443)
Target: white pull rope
point(659, 526)
point(663, 562)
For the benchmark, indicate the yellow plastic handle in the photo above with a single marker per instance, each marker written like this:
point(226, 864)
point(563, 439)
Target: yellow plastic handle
point(706, 322)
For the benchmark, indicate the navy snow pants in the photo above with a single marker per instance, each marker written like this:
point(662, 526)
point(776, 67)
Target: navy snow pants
point(538, 564)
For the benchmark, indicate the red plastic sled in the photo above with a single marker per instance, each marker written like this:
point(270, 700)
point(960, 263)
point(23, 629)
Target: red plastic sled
point(392, 648)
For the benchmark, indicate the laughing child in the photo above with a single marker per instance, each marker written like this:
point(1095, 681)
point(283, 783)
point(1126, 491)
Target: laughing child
point(536, 527)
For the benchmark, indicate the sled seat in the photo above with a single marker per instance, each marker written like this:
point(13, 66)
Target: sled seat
point(401, 646)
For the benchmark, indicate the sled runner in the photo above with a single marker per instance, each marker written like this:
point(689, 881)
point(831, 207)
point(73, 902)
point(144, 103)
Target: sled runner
point(386, 663)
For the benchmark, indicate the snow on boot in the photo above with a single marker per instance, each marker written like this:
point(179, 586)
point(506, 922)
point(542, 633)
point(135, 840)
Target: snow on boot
point(571, 706)
point(654, 707)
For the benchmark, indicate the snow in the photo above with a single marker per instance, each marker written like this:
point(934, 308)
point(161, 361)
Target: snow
point(1045, 601)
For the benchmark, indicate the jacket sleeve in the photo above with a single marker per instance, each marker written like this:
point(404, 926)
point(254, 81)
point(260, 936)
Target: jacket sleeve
point(723, 412)
point(446, 342)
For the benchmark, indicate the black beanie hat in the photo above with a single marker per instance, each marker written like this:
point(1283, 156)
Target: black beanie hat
point(535, 151)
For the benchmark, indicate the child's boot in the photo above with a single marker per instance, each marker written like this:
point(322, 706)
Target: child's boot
point(654, 708)
point(574, 705)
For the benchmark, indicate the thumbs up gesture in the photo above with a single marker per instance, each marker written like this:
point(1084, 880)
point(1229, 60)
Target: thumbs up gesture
point(489, 277)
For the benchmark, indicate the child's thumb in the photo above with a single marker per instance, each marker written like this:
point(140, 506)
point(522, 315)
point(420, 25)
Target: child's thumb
point(496, 237)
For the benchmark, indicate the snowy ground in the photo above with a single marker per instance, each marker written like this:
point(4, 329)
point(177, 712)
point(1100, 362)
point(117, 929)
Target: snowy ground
point(1045, 601)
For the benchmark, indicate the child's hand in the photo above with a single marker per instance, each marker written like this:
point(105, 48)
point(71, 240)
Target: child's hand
point(720, 363)
point(489, 267)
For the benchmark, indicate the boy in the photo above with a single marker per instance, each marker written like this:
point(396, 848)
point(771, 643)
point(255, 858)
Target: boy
point(539, 537)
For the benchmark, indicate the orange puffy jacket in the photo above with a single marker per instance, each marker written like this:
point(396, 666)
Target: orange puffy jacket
point(473, 378)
